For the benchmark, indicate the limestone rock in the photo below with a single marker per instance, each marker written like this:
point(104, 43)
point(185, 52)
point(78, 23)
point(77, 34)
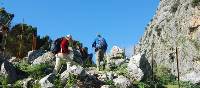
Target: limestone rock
point(134, 69)
point(47, 81)
point(117, 52)
point(106, 86)
point(32, 55)
point(192, 77)
point(8, 70)
point(122, 82)
point(28, 82)
point(45, 58)
point(175, 24)
point(75, 70)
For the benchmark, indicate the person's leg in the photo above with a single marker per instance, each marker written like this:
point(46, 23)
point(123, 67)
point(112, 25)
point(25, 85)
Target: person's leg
point(57, 65)
point(103, 59)
point(98, 60)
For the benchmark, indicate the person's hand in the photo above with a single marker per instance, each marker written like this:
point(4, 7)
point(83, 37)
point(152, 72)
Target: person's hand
point(61, 50)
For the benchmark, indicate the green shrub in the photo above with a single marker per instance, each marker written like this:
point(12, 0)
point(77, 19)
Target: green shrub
point(195, 3)
point(109, 82)
point(164, 75)
point(186, 84)
point(122, 70)
point(71, 80)
point(36, 85)
point(3, 81)
point(143, 85)
point(18, 84)
point(34, 71)
point(57, 82)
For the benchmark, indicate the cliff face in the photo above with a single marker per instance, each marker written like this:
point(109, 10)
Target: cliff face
point(175, 24)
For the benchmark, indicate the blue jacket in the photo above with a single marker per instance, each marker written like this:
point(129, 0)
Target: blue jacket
point(100, 43)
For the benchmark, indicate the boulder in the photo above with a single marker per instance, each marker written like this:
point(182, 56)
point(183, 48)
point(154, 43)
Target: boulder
point(75, 70)
point(8, 70)
point(193, 77)
point(115, 63)
point(91, 81)
point(122, 82)
point(117, 52)
point(64, 76)
point(13, 59)
point(106, 86)
point(102, 77)
point(110, 75)
point(134, 70)
point(45, 58)
point(76, 56)
point(32, 55)
point(47, 81)
point(28, 82)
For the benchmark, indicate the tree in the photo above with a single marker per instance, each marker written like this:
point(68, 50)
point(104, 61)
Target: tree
point(5, 18)
point(20, 40)
point(44, 43)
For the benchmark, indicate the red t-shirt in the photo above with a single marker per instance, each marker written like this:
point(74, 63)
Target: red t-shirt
point(64, 46)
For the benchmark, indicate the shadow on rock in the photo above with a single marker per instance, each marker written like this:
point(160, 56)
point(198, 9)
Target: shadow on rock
point(145, 67)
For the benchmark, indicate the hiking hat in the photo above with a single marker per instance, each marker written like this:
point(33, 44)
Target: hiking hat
point(69, 36)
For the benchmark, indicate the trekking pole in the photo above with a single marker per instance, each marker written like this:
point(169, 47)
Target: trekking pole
point(178, 67)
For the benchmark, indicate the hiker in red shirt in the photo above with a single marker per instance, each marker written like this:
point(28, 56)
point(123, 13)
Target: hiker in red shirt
point(64, 46)
point(64, 51)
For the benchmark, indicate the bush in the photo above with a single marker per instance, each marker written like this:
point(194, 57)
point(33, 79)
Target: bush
point(109, 82)
point(18, 84)
point(195, 3)
point(143, 85)
point(57, 82)
point(3, 81)
point(164, 75)
point(35, 71)
point(71, 80)
point(122, 70)
point(36, 85)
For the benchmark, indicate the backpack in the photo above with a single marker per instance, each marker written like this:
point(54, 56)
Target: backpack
point(56, 45)
point(101, 44)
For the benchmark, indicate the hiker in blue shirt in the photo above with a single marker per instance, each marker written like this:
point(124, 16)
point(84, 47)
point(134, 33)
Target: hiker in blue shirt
point(100, 47)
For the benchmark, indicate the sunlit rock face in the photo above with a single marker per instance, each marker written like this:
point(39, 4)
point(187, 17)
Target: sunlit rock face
point(175, 24)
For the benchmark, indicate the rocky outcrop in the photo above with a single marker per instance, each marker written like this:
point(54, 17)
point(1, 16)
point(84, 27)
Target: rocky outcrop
point(134, 70)
point(175, 24)
point(122, 82)
point(48, 57)
point(47, 81)
point(75, 70)
point(117, 53)
point(116, 57)
point(8, 70)
point(193, 77)
point(32, 55)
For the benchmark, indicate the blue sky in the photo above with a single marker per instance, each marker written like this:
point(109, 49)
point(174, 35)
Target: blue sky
point(121, 22)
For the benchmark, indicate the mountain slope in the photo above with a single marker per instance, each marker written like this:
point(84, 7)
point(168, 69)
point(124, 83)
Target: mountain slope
point(175, 24)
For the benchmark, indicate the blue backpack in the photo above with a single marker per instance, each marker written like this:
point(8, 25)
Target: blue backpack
point(101, 44)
